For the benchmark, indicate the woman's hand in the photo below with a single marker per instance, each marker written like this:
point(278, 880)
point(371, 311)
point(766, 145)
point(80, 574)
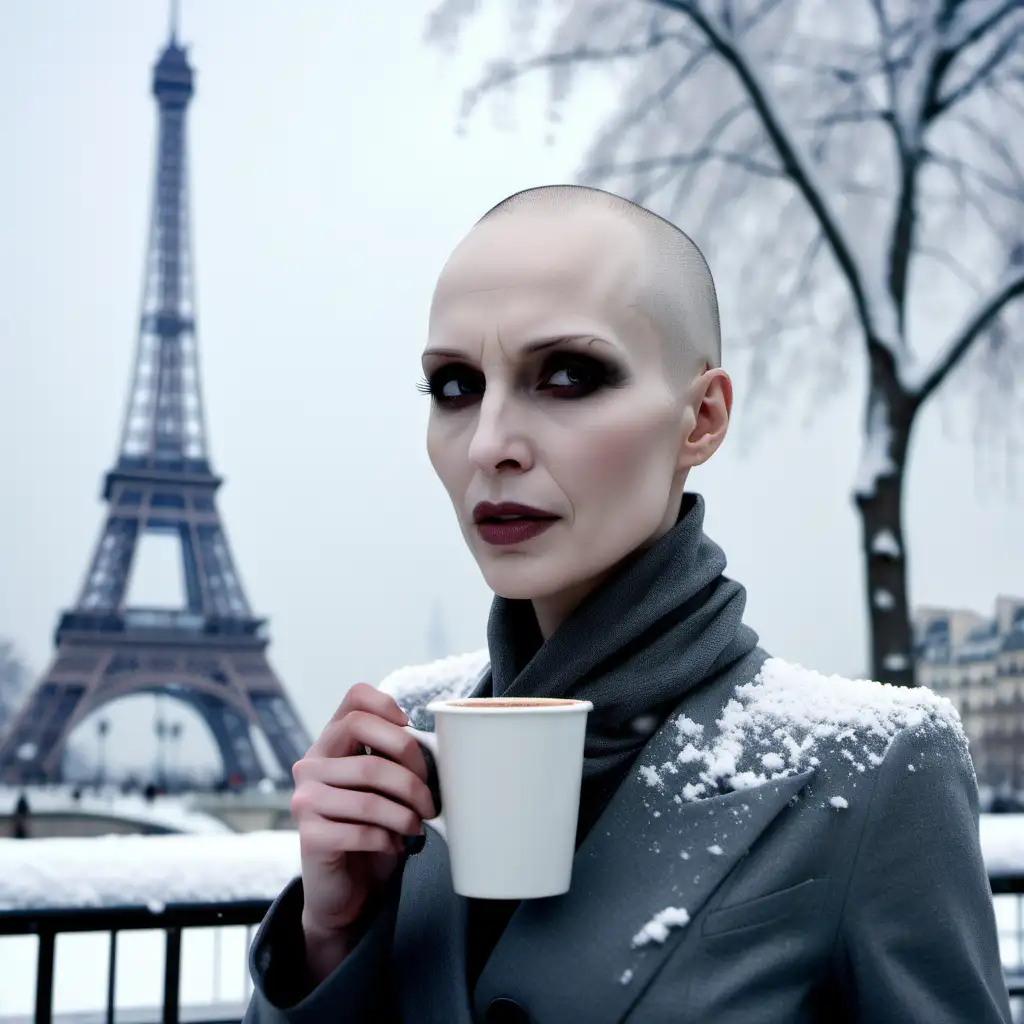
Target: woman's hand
point(352, 810)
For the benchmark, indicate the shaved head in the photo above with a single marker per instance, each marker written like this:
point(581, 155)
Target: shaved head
point(675, 289)
point(572, 362)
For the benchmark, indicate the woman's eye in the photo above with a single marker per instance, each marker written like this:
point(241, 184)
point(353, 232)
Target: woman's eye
point(575, 377)
point(453, 386)
point(456, 385)
point(566, 378)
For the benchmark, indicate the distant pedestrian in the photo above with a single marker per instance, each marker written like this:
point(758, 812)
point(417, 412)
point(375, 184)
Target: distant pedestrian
point(20, 821)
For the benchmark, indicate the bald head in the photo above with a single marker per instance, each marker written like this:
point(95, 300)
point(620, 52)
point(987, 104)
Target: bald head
point(675, 290)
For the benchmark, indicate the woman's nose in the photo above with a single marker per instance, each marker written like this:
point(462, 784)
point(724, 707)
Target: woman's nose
point(499, 444)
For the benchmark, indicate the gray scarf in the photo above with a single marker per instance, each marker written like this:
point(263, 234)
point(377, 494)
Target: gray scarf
point(664, 623)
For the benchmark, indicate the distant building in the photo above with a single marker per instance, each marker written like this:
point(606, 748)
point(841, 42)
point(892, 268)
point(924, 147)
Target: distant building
point(978, 663)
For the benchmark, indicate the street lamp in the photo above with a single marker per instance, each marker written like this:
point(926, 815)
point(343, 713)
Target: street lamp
point(160, 771)
point(102, 731)
point(176, 730)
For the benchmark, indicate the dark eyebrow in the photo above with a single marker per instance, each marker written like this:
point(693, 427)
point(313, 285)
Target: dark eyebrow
point(540, 345)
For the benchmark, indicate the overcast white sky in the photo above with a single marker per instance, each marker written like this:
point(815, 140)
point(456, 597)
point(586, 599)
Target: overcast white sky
point(328, 188)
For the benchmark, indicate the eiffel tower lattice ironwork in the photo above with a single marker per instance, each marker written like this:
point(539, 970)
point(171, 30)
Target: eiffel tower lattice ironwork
point(212, 653)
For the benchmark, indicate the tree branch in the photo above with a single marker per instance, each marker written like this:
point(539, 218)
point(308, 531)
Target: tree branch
point(917, 102)
point(796, 289)
point(676, 160)
point(923, 383)
point(651, 102)
point(971, 198)
point(879, 322)
point(981, 73)
point(963, 170)
point(964, 31)
point(952, 264)
point(996, 143)
point(506, 72)
point(912, 102)
point(885, 41)
point(847, 117)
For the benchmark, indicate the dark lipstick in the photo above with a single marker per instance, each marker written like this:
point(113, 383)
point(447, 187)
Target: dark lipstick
point(508, 522)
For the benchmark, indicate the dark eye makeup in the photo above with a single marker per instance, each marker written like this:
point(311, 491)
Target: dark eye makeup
point(563, 375)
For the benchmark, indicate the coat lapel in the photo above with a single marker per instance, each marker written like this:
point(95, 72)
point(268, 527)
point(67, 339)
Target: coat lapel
point(429, 953)
point(572, 957)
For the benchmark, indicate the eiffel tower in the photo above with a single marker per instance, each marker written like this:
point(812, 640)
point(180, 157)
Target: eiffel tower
point(210, 654)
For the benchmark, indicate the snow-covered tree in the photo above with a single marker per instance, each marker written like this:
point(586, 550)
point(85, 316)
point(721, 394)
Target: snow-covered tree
point(852, 170)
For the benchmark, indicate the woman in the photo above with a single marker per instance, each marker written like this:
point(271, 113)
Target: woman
point(755, 843)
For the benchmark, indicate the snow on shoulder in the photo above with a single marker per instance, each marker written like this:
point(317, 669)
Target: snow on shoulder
point(777, 724)
point(454, 676)
point(657, 929)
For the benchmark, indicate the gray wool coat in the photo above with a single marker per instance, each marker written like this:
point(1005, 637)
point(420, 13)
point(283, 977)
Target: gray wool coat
point(825, 853)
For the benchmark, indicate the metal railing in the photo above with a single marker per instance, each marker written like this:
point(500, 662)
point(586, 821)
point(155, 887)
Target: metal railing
point(174, 918)
point(1011, 936)
point(171, 920)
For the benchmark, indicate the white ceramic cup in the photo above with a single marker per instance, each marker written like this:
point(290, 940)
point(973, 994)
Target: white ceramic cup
point(509, 771)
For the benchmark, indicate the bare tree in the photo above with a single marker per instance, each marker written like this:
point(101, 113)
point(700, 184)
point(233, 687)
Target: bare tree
point(853, 171)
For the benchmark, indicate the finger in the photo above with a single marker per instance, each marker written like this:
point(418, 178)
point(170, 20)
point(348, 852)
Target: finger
point(364, 697)
point(323, 838)
point(361, 807)
point(376, 774)
point(360, 729)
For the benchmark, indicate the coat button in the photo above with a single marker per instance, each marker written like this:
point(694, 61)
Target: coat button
point(505, 1011)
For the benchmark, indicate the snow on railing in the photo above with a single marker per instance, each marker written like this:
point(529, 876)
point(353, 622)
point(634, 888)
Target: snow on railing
point(145, 871)
point(152, 871)
point(1002, 844)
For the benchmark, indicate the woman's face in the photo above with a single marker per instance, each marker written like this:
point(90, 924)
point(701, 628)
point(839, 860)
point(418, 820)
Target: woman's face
point(549, 391)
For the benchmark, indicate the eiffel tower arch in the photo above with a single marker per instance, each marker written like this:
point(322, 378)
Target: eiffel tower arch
point(212, 652)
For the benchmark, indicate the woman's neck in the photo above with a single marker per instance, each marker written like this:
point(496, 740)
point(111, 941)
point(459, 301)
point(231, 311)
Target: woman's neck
point(552, 611)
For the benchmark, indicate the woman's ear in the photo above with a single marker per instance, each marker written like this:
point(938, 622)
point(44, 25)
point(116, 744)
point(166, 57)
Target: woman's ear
point(711, 405)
